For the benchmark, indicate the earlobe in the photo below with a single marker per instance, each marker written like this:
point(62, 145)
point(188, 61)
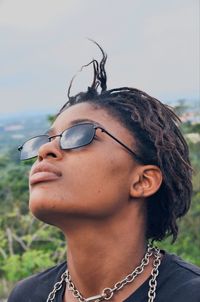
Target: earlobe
point(146, 181)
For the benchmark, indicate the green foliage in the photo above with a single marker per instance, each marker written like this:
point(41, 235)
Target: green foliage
point(51, 119)
point(17, 267)
point(3, 161)
point(13, 187)
point(188, 127)
point(188, 244)
point(26, 244)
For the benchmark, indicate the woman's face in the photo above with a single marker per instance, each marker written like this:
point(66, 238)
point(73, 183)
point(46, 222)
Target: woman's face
point(90, 182)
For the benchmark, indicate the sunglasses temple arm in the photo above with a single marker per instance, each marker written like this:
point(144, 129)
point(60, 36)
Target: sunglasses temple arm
point(131, 151)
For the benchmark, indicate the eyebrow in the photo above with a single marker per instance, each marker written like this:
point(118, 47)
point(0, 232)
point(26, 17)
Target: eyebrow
point(52, 131)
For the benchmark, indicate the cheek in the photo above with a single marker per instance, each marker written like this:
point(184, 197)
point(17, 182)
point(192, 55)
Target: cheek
point(98, 185)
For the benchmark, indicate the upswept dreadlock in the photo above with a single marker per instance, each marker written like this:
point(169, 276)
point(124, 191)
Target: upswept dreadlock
point(159, 141)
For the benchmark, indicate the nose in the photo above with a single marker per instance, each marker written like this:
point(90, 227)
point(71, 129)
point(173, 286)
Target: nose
point(50, 149)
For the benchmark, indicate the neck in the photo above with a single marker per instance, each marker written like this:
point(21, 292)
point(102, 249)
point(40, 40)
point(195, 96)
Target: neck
point(102, 252)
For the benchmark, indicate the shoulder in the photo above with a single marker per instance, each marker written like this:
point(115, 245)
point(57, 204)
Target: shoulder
point(179, 279)
point(186, 269)
point(37, 287)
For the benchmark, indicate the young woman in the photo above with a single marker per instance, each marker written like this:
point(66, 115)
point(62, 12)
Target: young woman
point(113, 174)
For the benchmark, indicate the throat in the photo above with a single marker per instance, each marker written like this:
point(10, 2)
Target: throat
point(119, 289)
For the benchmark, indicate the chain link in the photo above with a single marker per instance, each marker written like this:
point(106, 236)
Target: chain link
point(108, 293)
point(57, 286)
point(154, 274)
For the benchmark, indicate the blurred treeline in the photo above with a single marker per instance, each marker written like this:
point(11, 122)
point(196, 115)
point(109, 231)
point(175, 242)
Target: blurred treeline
point(28, 246)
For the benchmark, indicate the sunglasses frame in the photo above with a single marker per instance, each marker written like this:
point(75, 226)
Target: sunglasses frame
point(95, 127)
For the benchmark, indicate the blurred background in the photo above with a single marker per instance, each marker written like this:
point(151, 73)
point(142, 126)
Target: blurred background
point(151, 45)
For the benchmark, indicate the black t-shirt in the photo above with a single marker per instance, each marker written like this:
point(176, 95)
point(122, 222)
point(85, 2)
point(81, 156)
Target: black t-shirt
point(178, 281)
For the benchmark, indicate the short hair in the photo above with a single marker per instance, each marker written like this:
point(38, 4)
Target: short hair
point(159, 141)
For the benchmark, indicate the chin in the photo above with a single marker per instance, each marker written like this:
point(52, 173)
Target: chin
point(48, 210)
point(42, 208)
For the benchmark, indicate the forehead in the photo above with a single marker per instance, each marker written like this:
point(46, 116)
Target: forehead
point(87, 111)
point(81, 112)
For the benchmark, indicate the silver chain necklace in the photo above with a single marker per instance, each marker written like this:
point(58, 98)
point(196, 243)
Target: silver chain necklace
point(108, 293)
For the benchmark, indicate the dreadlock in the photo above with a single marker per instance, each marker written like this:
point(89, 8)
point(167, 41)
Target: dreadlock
point(159, 141)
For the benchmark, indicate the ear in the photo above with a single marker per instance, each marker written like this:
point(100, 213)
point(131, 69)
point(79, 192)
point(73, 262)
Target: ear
point(146, 180)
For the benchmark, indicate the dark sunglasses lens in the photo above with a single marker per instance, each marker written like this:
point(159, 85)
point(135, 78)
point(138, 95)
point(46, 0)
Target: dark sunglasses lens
point(77, 136)
point(31, 147)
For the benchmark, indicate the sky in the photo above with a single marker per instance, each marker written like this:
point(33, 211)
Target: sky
point(151, 45)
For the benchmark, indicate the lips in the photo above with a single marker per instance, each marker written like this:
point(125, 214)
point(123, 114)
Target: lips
point(44, 172)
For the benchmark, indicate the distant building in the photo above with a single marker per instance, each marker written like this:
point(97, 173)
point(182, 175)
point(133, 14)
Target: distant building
point(13, 127)
point(192, 117)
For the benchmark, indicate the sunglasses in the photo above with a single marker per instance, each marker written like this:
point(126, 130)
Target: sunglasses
point(74, 137)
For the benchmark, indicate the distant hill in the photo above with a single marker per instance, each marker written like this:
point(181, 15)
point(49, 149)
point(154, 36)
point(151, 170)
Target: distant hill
point(14, 130)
